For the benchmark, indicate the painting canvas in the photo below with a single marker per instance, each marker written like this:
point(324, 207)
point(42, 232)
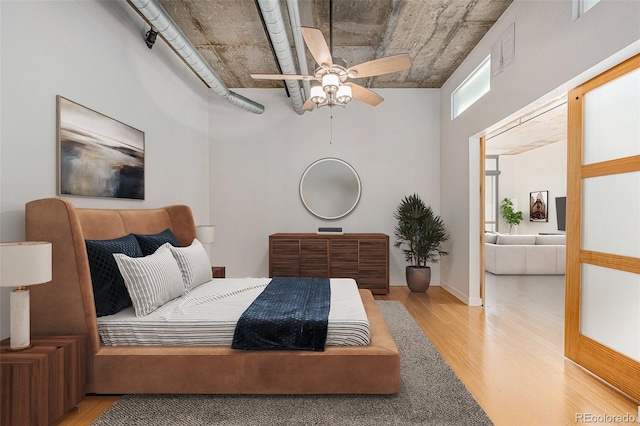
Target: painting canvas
point(97, 155)
point(539, 207)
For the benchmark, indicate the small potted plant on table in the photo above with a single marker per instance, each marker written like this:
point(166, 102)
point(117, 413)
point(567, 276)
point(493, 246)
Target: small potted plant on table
point(421, 233)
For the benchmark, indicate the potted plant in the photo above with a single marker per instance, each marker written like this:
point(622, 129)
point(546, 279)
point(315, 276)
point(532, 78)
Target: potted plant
point(510, 215)
point(420, 234)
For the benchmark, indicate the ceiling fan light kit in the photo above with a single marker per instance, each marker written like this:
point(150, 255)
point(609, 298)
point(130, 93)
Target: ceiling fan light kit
point(331, 92)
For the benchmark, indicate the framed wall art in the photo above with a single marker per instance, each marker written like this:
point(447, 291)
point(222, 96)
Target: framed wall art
point(539, 206)
point(97, 155)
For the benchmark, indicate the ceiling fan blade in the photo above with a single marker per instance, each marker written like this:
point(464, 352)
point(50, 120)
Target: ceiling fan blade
point(282, 77)
point(381, 66)
point(308, 105)
point(365, 95)
point(317, 45)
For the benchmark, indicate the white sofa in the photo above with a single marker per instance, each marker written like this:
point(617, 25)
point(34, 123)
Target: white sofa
point(525, 254)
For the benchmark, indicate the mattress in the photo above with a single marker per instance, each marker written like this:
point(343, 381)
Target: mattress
point(209, 313)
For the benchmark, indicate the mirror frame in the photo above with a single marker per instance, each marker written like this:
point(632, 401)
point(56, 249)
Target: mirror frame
point(347, 211)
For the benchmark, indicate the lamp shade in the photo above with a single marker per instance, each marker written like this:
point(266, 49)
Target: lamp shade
point(317, 94)
point(25, 263)
point(205, 233)
point(330, 82)
point(344, 94)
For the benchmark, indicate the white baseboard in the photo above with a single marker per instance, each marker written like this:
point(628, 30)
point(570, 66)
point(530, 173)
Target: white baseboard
point(470, 301)
point(433, 284)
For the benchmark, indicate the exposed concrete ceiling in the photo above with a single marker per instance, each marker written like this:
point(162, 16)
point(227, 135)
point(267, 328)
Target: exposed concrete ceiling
point(437, 35)
point(536, 129)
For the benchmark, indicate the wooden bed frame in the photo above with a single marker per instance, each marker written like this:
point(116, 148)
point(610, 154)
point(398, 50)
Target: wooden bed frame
point(66, 307)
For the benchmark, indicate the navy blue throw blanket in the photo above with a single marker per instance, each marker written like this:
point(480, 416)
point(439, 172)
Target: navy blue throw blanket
point(291, 313)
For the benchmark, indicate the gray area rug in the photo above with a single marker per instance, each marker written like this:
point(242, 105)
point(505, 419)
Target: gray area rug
point(431, 394)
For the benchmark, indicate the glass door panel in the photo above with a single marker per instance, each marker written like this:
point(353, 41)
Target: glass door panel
point(611, 124)
point(611, 214)
point(610, 308)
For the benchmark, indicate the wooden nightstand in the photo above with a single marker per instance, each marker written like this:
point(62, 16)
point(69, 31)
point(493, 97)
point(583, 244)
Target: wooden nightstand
point(218, 271)
point(40, 384)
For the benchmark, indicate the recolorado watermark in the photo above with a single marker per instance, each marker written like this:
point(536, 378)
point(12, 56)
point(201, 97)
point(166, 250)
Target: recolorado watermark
point(608, 418)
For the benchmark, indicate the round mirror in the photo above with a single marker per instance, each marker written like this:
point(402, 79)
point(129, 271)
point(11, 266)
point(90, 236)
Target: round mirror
point(330, 188)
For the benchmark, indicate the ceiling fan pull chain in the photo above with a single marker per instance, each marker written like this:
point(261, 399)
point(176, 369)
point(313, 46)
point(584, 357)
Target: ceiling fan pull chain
point(331, 128)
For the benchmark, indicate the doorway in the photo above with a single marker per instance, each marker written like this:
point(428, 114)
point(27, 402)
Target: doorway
point(526, 155)
point(602, 284)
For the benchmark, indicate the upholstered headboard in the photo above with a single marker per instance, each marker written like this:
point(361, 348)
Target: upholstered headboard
point(66, 304)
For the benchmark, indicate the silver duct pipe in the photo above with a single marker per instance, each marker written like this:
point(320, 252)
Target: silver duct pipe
point(158, 18)
point(298, 41)
point(274, 22)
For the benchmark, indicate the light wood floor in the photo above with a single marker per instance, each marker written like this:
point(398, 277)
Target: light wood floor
point(508, 354)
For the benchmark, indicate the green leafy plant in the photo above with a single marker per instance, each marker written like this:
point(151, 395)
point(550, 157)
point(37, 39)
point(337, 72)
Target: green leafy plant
point(510, 215)
point(419, 231)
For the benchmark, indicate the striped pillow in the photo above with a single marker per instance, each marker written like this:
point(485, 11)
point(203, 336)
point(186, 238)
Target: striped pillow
point(152, 280)
point(194, 264)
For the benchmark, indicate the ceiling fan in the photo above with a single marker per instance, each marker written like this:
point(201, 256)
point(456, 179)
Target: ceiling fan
point(330, 83)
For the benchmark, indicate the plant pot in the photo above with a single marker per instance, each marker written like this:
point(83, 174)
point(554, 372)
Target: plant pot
point(418, 278)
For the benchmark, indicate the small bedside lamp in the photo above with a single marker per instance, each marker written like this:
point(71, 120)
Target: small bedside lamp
point(206, 235)
point(23, 264)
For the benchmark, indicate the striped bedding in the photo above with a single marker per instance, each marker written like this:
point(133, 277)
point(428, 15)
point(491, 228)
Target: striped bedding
point(208, 315)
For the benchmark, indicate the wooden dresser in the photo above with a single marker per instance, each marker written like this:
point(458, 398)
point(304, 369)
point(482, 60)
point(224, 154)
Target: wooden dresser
point(363, 257)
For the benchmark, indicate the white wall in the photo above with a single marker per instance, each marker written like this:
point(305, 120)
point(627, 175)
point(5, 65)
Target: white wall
point(93, 53)
point(552, 53)
point(541, 169)
point(257, 162)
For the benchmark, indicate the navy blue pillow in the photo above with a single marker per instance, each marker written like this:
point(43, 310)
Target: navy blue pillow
point(109, 292)
point(149, 243)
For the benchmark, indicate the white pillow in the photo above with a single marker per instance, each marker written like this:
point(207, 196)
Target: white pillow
point(194, 264)
point(151, 280)
point(516, 240)
point(551, 240)
point(490, 238)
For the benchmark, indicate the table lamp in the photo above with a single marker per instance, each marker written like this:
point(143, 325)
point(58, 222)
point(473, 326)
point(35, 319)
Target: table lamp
point(23, 264)
point(206, 235)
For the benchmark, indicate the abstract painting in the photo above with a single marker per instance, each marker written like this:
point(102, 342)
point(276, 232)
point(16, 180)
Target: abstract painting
point(97, 155)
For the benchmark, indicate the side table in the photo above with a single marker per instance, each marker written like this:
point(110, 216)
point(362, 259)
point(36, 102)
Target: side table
point(40, 384)
point(218, 271)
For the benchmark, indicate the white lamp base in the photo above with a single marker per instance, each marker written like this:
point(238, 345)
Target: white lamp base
point(20, 321)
